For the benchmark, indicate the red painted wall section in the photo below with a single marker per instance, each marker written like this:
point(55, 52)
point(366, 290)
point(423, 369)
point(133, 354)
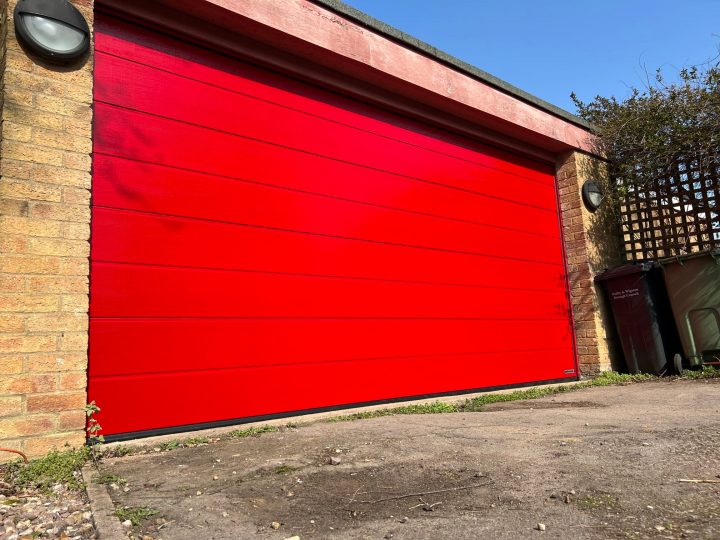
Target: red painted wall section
point(263, 246)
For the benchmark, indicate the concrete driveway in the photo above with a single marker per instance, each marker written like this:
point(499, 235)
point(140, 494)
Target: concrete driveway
point(595, 463)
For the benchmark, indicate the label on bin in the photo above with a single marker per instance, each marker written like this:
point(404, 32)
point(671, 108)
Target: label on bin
point(625, 293)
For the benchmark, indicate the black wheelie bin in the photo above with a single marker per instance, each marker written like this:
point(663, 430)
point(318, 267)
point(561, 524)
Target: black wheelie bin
point(643, 318)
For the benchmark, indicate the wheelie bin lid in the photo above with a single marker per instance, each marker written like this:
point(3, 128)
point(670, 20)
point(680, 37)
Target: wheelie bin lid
point(626, 269)
point(715, 254)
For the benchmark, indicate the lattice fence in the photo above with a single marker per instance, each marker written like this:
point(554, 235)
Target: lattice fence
point(671, 214)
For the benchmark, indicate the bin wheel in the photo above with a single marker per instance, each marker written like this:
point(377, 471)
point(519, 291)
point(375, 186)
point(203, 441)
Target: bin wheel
point(677, 364)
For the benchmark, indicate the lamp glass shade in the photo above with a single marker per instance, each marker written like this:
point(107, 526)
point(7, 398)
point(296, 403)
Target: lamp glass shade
point(592, 195)
point(595, 198)
point(52, 34)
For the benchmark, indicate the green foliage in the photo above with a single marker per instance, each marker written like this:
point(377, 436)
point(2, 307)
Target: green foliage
point(117, 451)
point(56, 467)
point(170, 445)
point(593, 502)
point(196, 441)
point(183, 443)
point(707, 372)
point(93, 427)
point(136, 514)
point(109, 479)
point(252, 431)
point(606, 378)
point(284, 469)
point(426, 408)
point(422, 408)
point(645, 135)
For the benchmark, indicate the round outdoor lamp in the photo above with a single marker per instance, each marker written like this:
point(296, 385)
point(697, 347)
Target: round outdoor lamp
point(592, 195)
point(52, 29)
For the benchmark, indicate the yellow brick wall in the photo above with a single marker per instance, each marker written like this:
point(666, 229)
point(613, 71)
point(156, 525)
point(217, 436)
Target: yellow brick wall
point(592, 243)
point(45, 161)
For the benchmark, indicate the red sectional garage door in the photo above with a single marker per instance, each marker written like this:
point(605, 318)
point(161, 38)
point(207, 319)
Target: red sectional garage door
point(262, 246)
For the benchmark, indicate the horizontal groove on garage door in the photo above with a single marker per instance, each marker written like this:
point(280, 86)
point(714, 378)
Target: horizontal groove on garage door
point(265, 86)
point(121, 182)
point(152, 291)
point(171, 241)
point(261, 246)
point(166, 141)
point(292, 211)
point(286, 362)
point(132, 346)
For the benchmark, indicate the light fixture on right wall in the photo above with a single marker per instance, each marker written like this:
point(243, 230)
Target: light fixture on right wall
point(592, 195)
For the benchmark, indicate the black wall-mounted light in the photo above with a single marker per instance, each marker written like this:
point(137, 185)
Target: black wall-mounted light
point(52, 29)
point(592, 195)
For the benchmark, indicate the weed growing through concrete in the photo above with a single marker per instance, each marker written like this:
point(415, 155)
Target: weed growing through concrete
point(592, 502)
point(422, 408)
point(170, 445)
point(252, 431)
point(109, 479)
point(183, 443)
point(606, 378)
point(135, 514)
point(196, 441)
point(117, 451)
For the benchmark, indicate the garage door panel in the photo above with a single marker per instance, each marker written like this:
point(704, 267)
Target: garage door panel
point(230, 112)
point(194, 65)
point(146, 291)
point(262, 206)
point(172, 241)
point(147, 345)
point(168, 142)
point(125, 183)
point(203, 396)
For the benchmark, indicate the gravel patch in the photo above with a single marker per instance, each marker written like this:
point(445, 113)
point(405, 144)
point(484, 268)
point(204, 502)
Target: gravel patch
point(33, 513)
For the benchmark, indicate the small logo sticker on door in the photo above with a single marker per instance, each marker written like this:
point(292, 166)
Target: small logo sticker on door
point(569, 371)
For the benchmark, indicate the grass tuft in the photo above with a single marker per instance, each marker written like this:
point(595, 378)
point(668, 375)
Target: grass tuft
point(252, 432)
point(196, 441)
point(136, 514)
point(284, 469)
point(117, 451)
point(707, 372)
point(109, 479)
point(183, 443)
point(593, 502)
point(606, 378)
point(435, 407)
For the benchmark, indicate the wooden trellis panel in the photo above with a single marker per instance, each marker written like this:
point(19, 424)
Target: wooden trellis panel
point(667, 215)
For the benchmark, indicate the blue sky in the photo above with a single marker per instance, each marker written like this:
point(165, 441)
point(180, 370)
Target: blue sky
point(553, 47)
